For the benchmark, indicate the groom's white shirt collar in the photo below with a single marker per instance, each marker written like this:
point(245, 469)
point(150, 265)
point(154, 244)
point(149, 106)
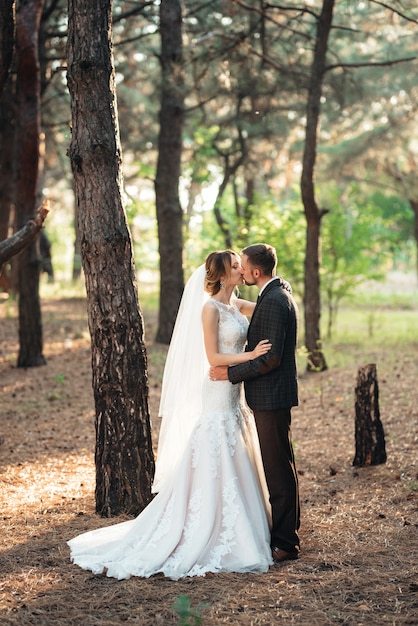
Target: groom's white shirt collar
point(267, 283)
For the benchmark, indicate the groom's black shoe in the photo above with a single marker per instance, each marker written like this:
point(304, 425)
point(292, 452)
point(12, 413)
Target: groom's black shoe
point(280, 555)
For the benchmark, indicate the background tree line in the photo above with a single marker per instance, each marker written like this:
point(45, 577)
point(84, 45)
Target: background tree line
point(239, 121)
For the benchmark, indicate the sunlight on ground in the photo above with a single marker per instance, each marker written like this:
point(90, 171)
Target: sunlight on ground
point(358, 562)
point(47, 480)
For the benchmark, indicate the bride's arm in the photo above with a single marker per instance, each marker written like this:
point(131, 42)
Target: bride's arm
point(210, 321)
point(245, 306)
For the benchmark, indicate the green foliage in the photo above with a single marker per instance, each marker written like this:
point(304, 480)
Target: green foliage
point(235, 107)
point(358, 241)
point(203, 153)
point(398, 219)
point(187, 615)
point(282, 224)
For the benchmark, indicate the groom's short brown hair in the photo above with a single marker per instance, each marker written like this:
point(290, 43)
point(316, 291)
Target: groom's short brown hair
point(262, 256)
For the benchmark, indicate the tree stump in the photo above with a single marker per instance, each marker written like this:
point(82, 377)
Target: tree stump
point(370, 437)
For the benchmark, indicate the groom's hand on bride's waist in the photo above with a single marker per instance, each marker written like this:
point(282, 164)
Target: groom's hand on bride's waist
point(218, 372)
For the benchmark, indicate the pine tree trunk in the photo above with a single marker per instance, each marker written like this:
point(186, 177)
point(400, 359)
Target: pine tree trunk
point(169, 212)
point(414, 207)
point(370, 437)
point(312, 299)
point(77, 263)
point(27, 160)
point(7, 135)
point(7, 189)
point(124, 456)
point(6, 39)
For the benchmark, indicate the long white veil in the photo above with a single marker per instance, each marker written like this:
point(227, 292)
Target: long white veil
point(184, 372)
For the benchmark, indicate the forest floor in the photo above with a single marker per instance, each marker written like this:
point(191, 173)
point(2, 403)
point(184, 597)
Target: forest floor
point(359, 556)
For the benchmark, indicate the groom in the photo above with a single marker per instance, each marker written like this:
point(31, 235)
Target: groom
point(271, 389)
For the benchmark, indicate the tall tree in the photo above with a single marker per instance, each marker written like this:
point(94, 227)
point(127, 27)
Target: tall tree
point(27, 163)
point(313, 213)
point(169, 211)
point(124, 457)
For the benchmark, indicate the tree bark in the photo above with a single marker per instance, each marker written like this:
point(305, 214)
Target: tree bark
point(124, 456)
point(27, 160)
point(7, 34)
point(414, 207)
point(77, 262)
point(169, 212)
point(370, 437)
point(7, 171)
point(7, 174)
point(312, 296)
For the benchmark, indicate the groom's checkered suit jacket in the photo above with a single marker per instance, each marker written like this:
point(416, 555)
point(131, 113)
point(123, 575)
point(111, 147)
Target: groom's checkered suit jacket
point(271, 380)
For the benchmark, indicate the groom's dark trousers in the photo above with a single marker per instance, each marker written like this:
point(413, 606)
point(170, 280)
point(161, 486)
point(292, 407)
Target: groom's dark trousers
point(279, 466)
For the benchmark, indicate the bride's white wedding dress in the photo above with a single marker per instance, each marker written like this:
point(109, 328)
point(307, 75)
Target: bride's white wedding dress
point(211, 513)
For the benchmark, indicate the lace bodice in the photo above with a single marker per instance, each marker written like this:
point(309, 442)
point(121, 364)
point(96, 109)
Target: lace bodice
point(223, 401)
point(233, 326)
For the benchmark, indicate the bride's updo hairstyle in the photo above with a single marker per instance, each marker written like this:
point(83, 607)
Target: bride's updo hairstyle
point(218, 266)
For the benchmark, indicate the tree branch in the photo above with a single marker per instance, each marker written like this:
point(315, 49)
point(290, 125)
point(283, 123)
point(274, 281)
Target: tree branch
point(391, 8)
point(14, 244)
point(294, 9)
point(136, 10)
point(369, 63)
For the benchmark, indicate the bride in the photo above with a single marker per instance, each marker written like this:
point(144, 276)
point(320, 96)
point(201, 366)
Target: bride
point(211, 511)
